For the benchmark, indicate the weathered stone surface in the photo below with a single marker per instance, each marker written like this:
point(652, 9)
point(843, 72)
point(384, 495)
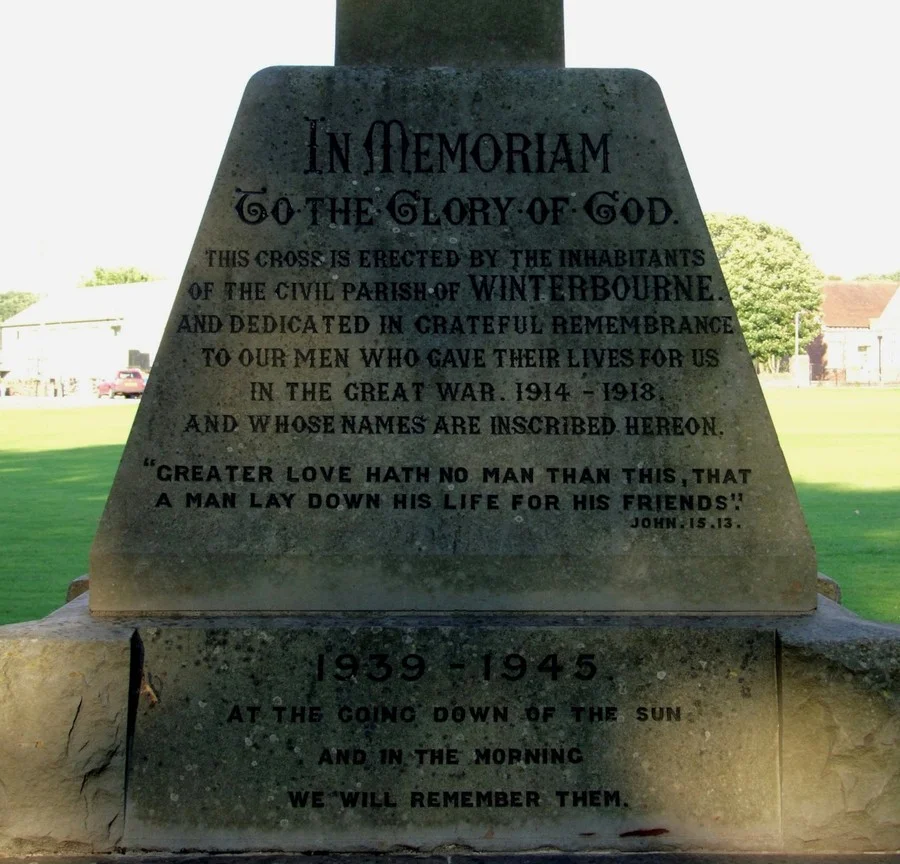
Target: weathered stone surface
point(511, 33)
point(77, 587)
point(63, 715)
point(530, 732)
point(841, 740)
point(837, 691)
point(628, 451)
point(542, 858)
point(827, 587)
point(482, 736)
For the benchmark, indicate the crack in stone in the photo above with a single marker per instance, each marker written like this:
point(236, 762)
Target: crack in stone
point(96, 771)
point(72, 726)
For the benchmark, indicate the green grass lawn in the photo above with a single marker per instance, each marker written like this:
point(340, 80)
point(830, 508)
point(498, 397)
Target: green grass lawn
point(841, 445)
point(56, 466)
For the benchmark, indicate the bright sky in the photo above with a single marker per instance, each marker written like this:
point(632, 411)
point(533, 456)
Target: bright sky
point(115, 115)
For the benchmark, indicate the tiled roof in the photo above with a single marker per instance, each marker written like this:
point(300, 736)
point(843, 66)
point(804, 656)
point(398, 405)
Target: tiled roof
point(853, 304)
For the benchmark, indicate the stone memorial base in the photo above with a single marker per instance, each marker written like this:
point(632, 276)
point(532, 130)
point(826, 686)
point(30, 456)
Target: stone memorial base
point(539, 858)
point(431, 734)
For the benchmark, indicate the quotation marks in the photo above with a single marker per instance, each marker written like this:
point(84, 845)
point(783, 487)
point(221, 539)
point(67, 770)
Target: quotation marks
point(148, 462)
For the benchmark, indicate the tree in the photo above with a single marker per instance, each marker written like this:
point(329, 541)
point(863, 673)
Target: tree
point(880, 277)
point(770, 279)
point(13, 302)
point(115, 276)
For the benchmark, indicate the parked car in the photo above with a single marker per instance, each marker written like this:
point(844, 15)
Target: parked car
point(128, 383)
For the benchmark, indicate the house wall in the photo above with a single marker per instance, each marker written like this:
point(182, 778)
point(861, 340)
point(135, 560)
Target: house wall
point(61, 351)
point(860, 355)
point(888, 328)
point(121, 319)
point(860, 339)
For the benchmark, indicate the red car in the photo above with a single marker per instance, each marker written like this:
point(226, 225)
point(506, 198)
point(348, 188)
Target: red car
point(128, 383)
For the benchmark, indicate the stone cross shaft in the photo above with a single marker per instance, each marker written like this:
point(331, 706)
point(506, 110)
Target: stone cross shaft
point(522, 34)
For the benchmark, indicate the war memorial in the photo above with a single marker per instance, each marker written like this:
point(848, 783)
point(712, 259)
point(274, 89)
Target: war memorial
point(453, 519)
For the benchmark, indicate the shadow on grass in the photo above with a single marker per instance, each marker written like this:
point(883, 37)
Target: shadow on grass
point(52, 500)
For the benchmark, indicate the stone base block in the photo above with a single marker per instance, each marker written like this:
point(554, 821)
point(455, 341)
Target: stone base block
point(840, 702)
point(492, 734)
point(64, 684)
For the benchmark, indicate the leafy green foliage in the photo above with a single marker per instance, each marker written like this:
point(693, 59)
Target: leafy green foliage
point(880, 277)
point(13, 302)
point(770, 279)
point(115, 276)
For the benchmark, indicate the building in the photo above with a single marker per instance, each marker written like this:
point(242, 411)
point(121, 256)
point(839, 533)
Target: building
point(860, 340)
point(74, 338)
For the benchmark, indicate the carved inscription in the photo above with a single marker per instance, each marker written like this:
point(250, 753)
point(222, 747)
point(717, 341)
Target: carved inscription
point(450, 733)
point(441, 342)
point(455, 332)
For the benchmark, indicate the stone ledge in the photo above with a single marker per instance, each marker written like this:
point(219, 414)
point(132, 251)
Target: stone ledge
point(62, 745)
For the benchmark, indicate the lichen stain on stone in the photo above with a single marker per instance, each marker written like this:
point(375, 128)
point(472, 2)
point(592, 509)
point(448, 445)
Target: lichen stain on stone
point(146, 689)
